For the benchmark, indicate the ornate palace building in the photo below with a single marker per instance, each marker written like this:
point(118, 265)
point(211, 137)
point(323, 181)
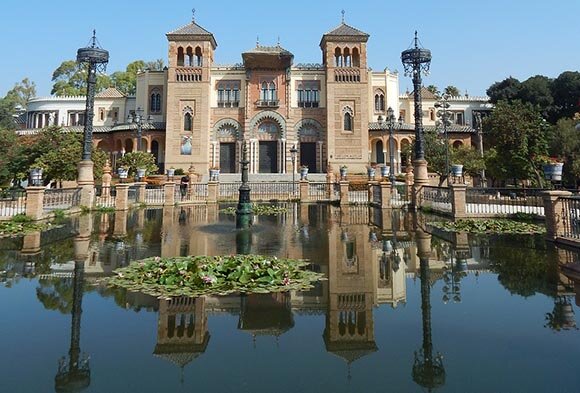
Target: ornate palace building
point(200, 113)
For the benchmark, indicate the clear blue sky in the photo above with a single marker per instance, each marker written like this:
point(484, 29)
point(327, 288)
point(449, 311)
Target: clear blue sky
point(474, 43)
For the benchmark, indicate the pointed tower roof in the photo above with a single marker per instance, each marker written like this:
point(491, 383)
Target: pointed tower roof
point(191, 31)
point(110, 92)
point(344, 32)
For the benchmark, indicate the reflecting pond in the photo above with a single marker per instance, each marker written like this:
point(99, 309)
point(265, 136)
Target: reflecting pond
point(405, 308)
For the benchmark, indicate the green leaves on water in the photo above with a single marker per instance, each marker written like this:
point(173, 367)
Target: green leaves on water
point(490, 226)
point(214, 275)
point(259, 210)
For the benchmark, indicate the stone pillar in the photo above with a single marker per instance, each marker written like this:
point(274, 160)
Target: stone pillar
point(304, 197)
point(458, 204)
point(553, 213)
point(386, 195)
point(330, 179)
point(106, 181)
point(343, 192)
point(169, 191)
point(421, 178)
point(212, 191)
point(370, 189)
point(409, 180)
point(34, 202)
point(122, 198)
point(86, 182)
point(141, 186)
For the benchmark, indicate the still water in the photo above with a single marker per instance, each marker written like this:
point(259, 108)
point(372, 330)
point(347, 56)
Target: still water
point(404, 309)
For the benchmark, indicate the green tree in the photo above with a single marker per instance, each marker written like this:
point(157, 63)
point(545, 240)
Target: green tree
point(469, 157)
point(7, 150)
point(126, 81)
point(155, 65)
point(15, 102)
point(565, 144)
point(537, 91)
point(520, 136)
point(452, 91)
point(505, 90)
point(138, 159)
point(433, 89)
point(70, 79)
point(566, 93)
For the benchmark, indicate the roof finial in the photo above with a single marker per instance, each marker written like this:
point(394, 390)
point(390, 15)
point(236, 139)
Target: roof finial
point(94, 45)
point(343, 12)
point(416, 39)
point(278, 41)
point(257, 41)
point(193, 15)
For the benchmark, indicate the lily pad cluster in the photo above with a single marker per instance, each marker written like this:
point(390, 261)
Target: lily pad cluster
point(214, 275)
point(490, 226)
point(260, 210)
point(21, 225)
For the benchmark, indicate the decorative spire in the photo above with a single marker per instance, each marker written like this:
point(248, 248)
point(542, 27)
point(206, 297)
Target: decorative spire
point(343, 12)
point(94, 39)
point(193, 15)
point(257, 41)
point(416, 40)
point(278, 41)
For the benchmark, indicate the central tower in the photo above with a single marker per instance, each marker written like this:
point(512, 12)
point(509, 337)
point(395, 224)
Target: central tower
point(344, 55)
point(191, 54)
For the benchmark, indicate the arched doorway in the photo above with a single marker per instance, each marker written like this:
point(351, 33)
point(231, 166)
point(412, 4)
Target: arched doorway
point(268, 147)
point(379, 154)
point(310, 147)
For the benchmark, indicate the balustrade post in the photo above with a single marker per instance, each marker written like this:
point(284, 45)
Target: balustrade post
point(212, 191)
point(122, 198)
point(141, 186)
point(386, 196)
point(371, 190)
point(35, 202)
point(409, 180)
point(304, 196)
point(169, 191)
point(458, 201)
point(553, 213)
point(343, 192)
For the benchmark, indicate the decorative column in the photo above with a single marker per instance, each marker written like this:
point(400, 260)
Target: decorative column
point(416, 61)
point(553, 213)
point(95, 59)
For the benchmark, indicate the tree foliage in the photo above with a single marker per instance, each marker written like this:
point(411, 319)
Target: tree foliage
point(565, 144)
point(70, 79)
point(520, 137)
point(126, 81)
point(138, 159)
point(434, 89)
point(452, 91)
point(14, 102)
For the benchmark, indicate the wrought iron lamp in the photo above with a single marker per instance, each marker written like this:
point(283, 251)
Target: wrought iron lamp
point(139, 121)
point(445, 121)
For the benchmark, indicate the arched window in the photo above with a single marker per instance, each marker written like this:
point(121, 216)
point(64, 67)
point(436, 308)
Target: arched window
point(155, 101)
point(180, 57)
point(272, 91)
point(337, 58)
point(188, 119)
point(355, 58)
point(347, 58)
point(347, 122)
point(264, 92)
point(198, 61)
point(189, 57)
point(379, 102)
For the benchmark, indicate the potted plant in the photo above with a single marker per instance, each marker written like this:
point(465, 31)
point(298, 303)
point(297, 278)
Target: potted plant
point(343, 171)
point(171, 173)
point(123, 173)
point(141, 173)
point(303, 172)
point(371, 172)
point(456, 170)
point(553, 169)
point(214, 173)
point(385, 170)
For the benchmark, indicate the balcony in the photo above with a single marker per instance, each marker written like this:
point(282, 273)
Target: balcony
point(268, 103)
point(308, 104)
point(228, 104)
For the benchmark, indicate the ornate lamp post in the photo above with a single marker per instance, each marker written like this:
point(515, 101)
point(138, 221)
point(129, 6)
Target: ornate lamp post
point(479, 128)
point(95, 59)
point(138, 120)
point(293, 152)
point(444, 116)
point(416, 61)
point(244, 208)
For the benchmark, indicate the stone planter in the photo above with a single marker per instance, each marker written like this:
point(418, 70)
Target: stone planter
point(456, 170)
point(553, 171)
point(385, 170)
point(123, 173)
point(371, 172)
point(170, 173)
point(343, 173)
point(214, 174)
point(141, 173)
point(303, 173)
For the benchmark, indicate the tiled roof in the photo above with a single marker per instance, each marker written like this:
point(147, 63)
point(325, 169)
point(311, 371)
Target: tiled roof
point(192, 29)
point(270, 49)
point(425, 94)
point(111, 92)
point(147, 126)
point(455, 128)
point(345, 30)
